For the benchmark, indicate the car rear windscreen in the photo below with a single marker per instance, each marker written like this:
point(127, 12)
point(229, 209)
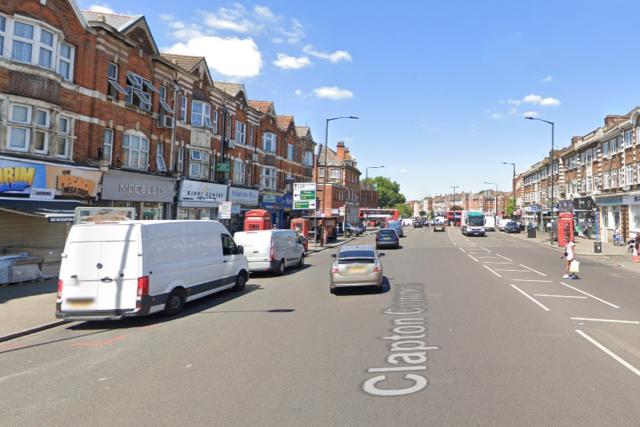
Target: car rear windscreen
point(349, 255)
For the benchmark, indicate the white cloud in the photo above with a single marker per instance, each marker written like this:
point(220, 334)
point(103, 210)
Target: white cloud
point(232, 57)
point(287, 62)
point(530, 114)
point(265, 12)
point(547, 79)
point(100, 8)
point(496, 116)
point(337, 56)
point(403, 171)
point(534, 99)
point(549, 102)
point(232, 19)
point(332, 92)
point(298, 92)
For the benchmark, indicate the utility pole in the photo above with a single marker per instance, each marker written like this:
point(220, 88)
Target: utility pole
point(453, 208)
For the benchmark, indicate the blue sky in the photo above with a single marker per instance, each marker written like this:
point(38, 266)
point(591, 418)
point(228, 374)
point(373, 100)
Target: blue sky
point(440, 87)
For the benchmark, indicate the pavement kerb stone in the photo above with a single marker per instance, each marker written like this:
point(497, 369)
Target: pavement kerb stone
point(33, 330)
point(338, 244)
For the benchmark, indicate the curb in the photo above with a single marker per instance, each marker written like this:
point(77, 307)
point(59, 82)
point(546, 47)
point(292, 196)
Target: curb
point(33, 330)
point(315, 251)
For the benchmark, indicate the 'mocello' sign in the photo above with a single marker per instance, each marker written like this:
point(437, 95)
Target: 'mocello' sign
point(137, 188)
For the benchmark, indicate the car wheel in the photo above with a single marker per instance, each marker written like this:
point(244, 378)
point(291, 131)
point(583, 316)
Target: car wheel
point(280, 269)
point(175, 302)
point(332, 290)
point(301, 261)
point(241, 281)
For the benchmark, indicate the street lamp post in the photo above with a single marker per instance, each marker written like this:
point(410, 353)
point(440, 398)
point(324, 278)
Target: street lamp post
point(325, 170)
point(513, 182)
point(553, 125)
point(453, 208)
point(366, 171)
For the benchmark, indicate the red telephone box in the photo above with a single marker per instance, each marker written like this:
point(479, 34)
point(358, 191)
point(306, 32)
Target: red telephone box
point(565, 228)
point(302, 225)
point(257, 219)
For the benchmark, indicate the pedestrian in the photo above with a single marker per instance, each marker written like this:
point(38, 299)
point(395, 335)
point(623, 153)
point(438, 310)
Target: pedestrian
point(569, 256)
point(636, 244)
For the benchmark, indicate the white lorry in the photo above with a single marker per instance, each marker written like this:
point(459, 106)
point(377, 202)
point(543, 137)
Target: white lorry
point(116, 269)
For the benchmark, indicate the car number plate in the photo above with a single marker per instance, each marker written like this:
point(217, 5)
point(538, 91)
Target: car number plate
point(80, 302)
point(357, 269)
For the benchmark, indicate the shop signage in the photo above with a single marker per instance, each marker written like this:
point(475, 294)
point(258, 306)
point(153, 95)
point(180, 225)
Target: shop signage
point(224, 212)
point(42, 194)
point(565, 206)
point(268, 198)
point(341, 210)
point(304, 195)
point(631, 200)
point(207, 192)
point(21, 178)
point(584, 204)
point(137, 188)
point(244, 196)
point(223, 167)
point(288, 201)
point(271, 201)
point(609, 201)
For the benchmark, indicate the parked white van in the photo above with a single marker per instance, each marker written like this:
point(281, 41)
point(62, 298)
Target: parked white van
point(112, 270)
point(271, 250)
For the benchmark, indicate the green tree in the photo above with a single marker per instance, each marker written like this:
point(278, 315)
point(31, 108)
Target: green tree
point(422, 213)
point(511, 207)
point(405, 211)
point(388, 191)
point(432, 214)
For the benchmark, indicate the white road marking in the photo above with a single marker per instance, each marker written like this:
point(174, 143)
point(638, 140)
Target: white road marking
point(589, 295)
point(515, 271)
point(496, 262)
point(532, 280)
point(473, 258)
point(534, 270)
point(560, 296)
point(510, 260)
point(489, 268)
point(609, 353)
point(463, 251)
point(591, 319)
point(530, 297)
point(485, 249)
point(486, 257)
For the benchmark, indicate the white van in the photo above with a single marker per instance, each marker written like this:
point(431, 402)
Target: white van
point(116, 269)
point(271, 250)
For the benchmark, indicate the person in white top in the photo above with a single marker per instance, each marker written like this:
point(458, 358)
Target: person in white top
point(569, 255)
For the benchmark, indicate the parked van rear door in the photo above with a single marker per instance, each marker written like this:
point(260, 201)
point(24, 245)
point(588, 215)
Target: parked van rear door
point(101, 268)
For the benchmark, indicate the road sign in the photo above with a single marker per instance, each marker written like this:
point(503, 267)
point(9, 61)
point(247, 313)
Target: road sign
point(224, 211)
point(304, 195)
point(223, 167)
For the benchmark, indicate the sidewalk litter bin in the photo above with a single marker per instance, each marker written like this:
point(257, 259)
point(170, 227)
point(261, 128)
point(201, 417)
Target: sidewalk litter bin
point(597, 247)
point(531, 233)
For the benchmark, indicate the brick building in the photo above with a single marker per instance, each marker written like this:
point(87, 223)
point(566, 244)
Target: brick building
point(92, 113)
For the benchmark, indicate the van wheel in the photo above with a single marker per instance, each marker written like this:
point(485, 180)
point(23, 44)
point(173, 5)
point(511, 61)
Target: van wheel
point(175, 302)
point(280, 268)
point(241, 281)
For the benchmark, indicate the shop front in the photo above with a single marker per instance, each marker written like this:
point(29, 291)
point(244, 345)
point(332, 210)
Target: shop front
point(632, 202)
point(532, 215)
point(289, 213)
point(609, 215)
point(151, 196)
point(200, 200)
point(274, 203)
point(37, 202)
point(243, 200)
point(584, 213)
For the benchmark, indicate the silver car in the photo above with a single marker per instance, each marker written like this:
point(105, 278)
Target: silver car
point(356, 266)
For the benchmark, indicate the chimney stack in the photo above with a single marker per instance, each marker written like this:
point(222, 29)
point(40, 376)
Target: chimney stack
point(340, 150)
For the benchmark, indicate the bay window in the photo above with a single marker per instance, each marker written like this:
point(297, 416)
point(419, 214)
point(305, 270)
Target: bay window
point(335, 173)
point(46, 49)
point(628, 140)
point(606, 180)
point(629, 169)
point(308, 158)
point(65, 61)
point(240, 132)
point(22, 47)
point(199, 164)
point(200, 114)
point(19, 137)
point(269, 178)
point(63, 147)
point(135, 150)
point(621, 177)
point(3, 29)
point(41, 132)
point(269, 142)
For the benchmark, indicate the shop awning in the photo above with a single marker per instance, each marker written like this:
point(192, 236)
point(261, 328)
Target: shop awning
point(51, 210)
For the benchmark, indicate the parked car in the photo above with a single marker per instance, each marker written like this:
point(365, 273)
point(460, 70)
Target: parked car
point(271, 250)
point(356, 266)
point(352, 230)
point(512, 227)
point(502, 223)
point(397, 226)
point(387, 238)
point(134, 268)
point(418, 223)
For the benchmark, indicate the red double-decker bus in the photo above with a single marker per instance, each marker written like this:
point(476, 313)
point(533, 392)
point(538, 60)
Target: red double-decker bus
point(378, 216)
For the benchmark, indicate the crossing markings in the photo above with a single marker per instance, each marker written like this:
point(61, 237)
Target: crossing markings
point(504, 257)
point(532, 280)
point(534, 270)
point(473, 258)
point(609, 353)
point(591, 319)
point(589, 295)
point(541, 305)
point(491, 270)
point(463, 251)
point(513, 271)
point(560, 296)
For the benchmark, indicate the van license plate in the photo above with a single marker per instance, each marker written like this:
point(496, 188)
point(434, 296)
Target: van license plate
point(80, 302)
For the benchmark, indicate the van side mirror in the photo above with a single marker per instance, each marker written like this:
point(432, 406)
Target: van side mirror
point(239, 250)
point(381, 254)
point(334, 255)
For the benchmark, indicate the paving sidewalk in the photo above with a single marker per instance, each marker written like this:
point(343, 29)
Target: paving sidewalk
point(27, 308)
point(313, 249)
